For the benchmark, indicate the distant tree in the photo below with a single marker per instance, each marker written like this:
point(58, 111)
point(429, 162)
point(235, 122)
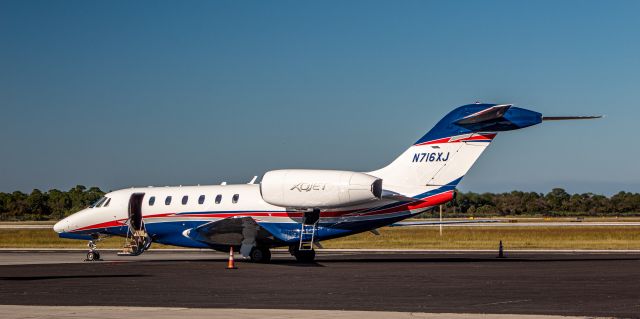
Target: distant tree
point(59, 203)
point(556, 199)
point(37, 205)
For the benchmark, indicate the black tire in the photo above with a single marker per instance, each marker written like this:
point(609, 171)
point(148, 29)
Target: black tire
point(260, 255)
point(305, 256)
point(91, 256)
point(96, 255)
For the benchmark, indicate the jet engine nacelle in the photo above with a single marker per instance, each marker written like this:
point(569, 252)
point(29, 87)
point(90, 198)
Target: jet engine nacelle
point(306, 188)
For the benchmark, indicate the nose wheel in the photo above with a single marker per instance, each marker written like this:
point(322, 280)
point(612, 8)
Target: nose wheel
point(93, 254)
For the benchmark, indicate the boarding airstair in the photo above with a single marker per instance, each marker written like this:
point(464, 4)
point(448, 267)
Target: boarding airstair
point(136, 243)
point(307, 236)
point(308, 230)
point(137, 239)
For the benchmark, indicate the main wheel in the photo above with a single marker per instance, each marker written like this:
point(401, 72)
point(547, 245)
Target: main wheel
point(260, 255)
point(96, 255)
point(91, 256)
point(305, 256)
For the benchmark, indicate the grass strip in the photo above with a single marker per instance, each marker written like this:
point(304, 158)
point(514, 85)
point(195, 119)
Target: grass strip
point(585, 237)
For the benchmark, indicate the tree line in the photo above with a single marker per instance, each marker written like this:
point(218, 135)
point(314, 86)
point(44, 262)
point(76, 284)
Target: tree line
point(51, 205)
point(555, 203)
point(55, 204)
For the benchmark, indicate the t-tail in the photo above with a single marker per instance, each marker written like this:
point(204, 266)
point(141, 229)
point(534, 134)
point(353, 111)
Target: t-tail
point(438, 161)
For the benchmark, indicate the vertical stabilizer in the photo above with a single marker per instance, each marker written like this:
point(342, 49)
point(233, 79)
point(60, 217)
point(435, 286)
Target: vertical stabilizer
point(445, 154)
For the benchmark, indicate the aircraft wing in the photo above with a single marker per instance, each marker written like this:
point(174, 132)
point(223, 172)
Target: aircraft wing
point(229, 231)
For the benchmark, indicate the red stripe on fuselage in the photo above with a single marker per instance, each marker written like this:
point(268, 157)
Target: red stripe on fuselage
point(432, 200)
point(478, 137)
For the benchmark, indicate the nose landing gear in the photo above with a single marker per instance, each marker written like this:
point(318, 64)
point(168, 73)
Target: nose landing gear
point(93, 254)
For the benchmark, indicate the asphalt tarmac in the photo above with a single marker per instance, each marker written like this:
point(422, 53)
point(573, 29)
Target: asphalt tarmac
point(581, 284)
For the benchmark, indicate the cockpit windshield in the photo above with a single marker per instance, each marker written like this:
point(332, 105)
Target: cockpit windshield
point(98, 202)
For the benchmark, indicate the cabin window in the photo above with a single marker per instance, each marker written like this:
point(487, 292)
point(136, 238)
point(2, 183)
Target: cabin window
point(201, 199)
point(218, 199)
point(152, 200)
point(107, 202)
point(235, 198)
point(167, 201)
point(185, 199)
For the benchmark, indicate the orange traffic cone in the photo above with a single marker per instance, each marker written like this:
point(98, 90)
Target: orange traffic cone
point(231, 264)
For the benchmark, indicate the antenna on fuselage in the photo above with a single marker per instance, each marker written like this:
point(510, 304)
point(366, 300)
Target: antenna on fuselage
point(223, 183)
point(253, 180)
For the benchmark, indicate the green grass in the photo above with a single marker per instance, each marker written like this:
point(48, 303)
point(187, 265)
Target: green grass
point(29, 222)
point(47, 238)
point(585, 237)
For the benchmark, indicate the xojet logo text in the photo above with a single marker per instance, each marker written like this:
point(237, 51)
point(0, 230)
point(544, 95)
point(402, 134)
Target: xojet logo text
point(307, 187)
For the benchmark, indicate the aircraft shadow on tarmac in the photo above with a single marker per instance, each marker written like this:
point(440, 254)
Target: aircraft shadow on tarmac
point(32, 278)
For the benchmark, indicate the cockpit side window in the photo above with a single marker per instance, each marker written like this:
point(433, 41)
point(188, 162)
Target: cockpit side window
point(107, 202)
point(167, 200)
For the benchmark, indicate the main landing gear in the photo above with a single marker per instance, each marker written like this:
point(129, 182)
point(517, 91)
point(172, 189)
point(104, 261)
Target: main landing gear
point(303, 256)
point(93, 254)
point(260, 254)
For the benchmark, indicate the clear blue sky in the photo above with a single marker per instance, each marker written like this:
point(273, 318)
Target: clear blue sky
point(134, 93)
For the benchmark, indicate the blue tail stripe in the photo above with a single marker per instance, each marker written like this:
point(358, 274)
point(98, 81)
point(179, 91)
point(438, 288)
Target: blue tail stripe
point(515, 118)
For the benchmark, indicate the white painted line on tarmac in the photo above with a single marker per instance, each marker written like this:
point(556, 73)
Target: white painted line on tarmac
point(100, 312)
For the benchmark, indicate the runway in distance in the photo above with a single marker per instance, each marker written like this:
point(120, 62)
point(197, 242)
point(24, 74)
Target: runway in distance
point(299, 208)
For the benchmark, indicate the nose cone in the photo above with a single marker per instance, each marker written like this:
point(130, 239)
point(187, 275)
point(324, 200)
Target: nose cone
point(61, 226)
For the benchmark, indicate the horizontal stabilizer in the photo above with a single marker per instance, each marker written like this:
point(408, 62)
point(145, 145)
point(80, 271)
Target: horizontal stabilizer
point(486, 115)
point(564, 118)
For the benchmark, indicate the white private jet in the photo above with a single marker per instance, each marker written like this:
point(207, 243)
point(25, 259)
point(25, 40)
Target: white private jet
point(298, 208)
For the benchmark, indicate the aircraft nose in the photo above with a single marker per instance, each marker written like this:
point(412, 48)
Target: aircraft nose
point(60, 226)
